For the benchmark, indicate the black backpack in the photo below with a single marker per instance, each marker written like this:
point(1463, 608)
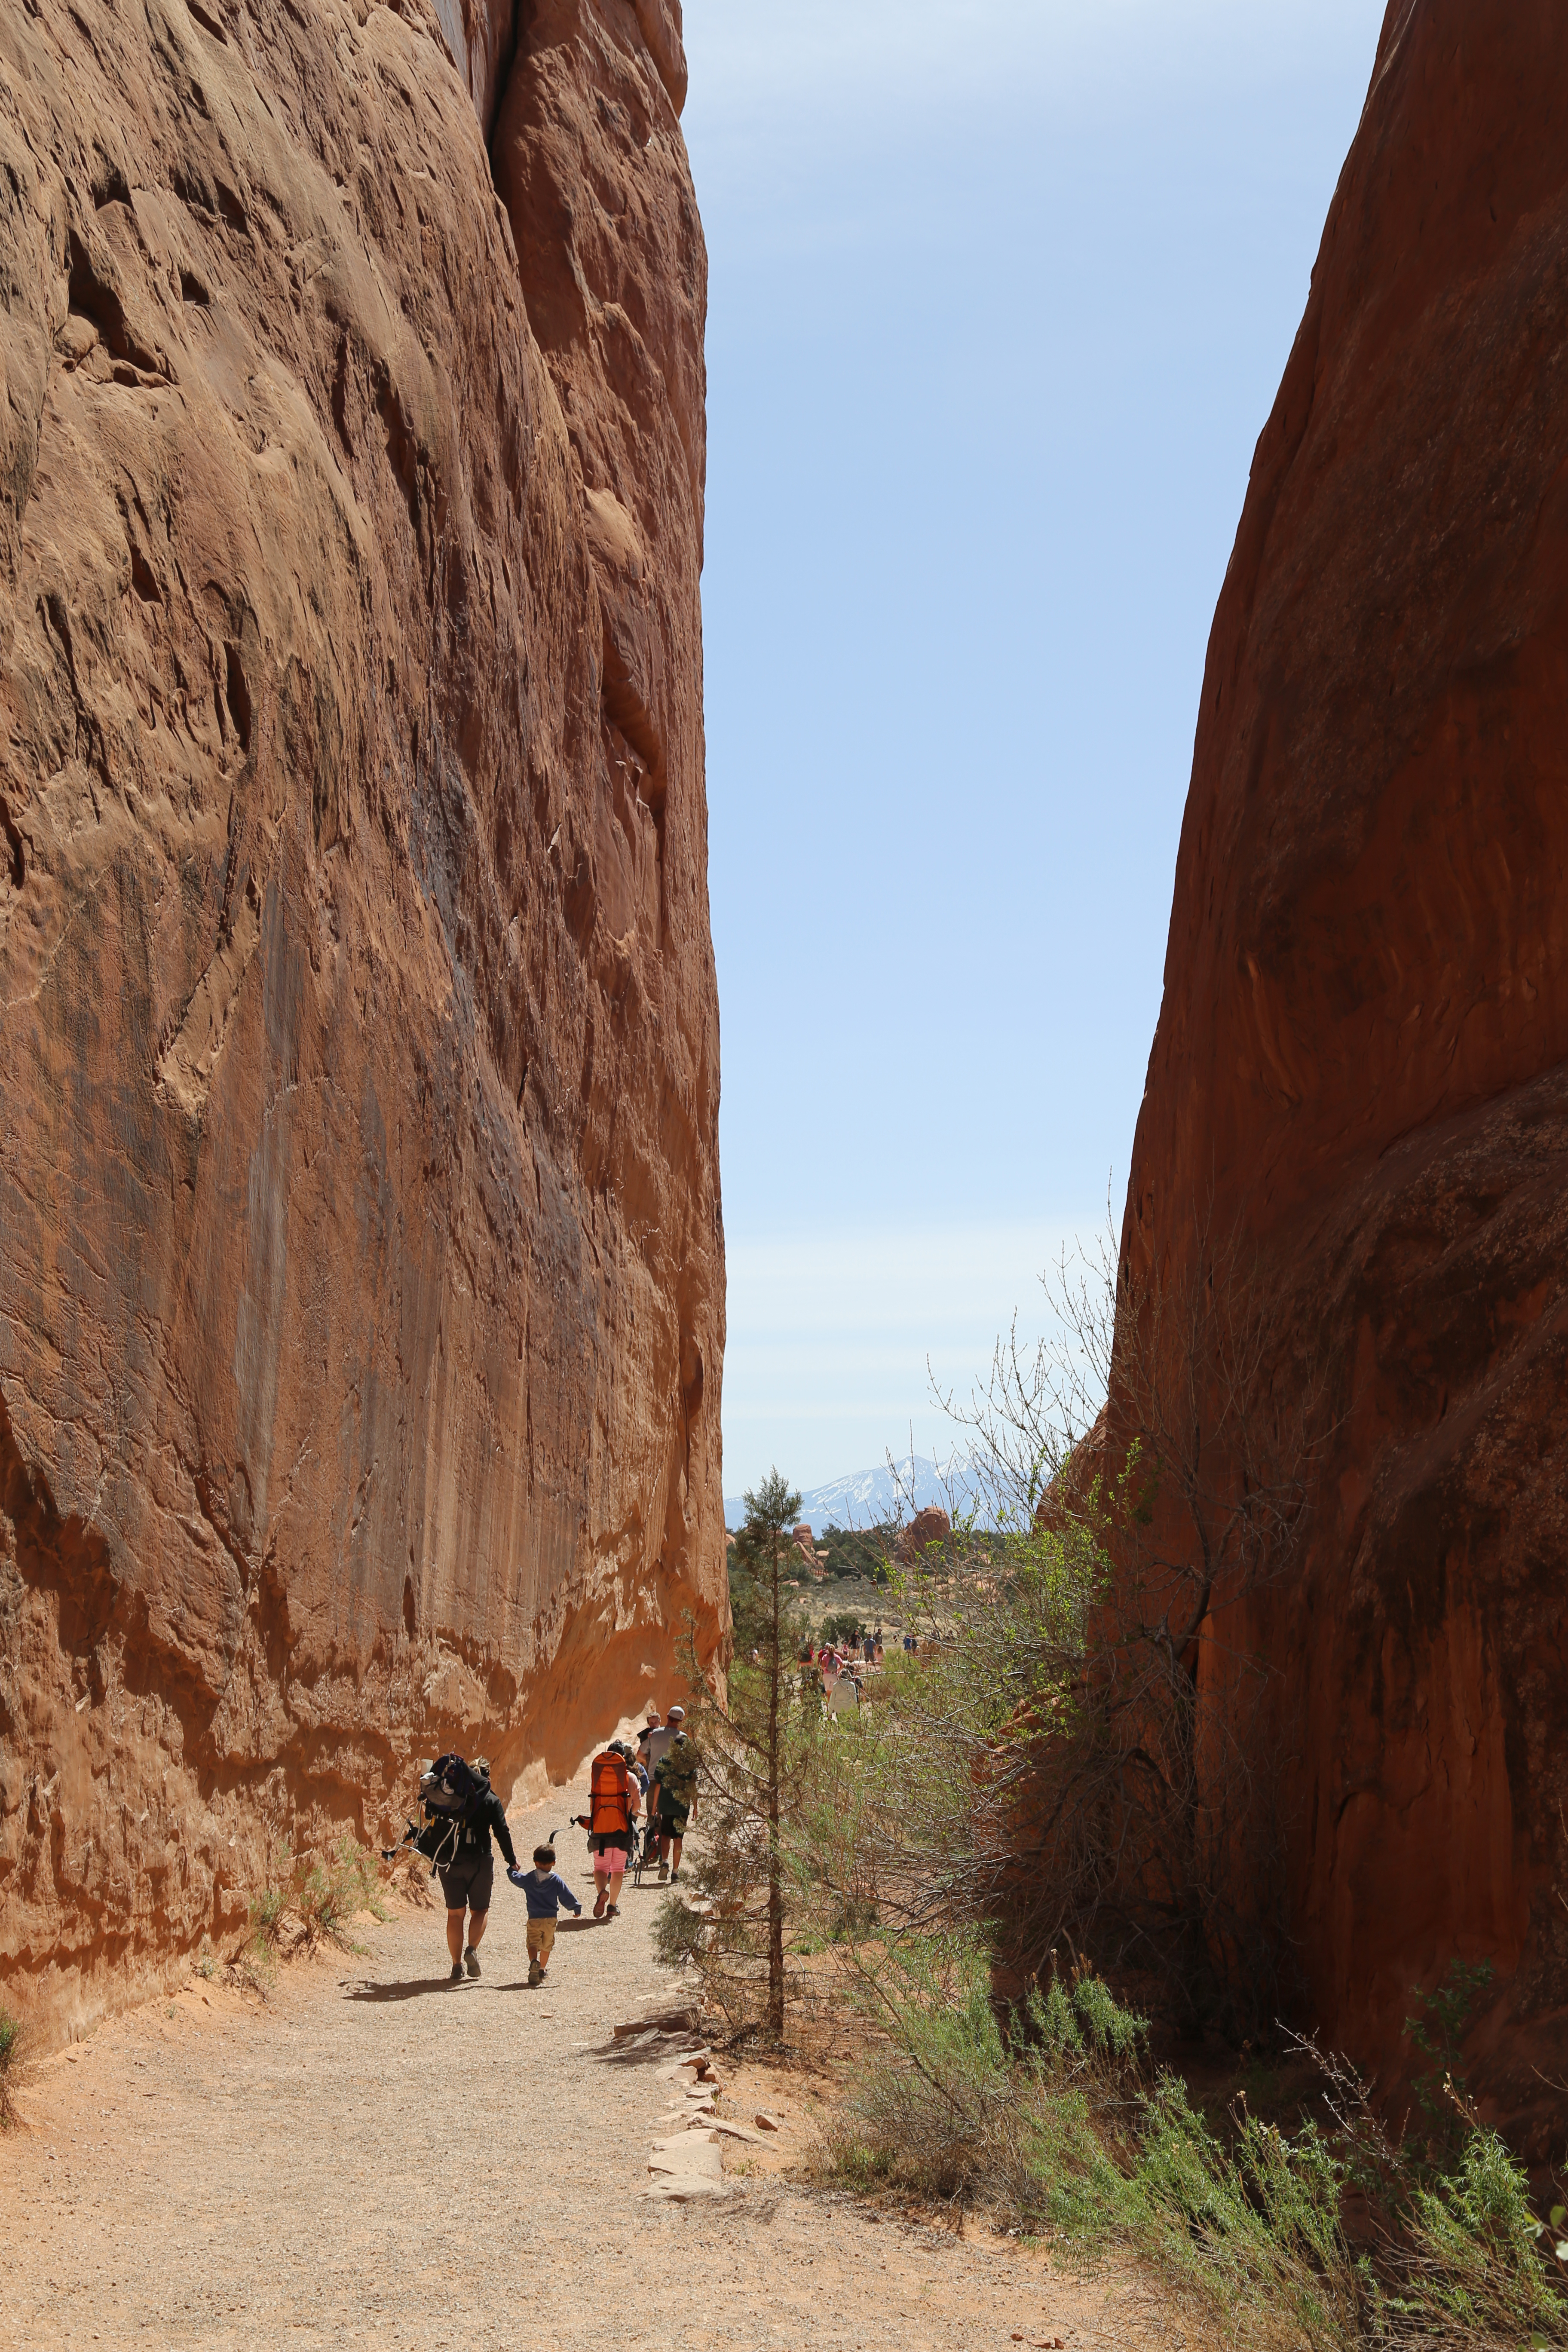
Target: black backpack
point(449, 1790)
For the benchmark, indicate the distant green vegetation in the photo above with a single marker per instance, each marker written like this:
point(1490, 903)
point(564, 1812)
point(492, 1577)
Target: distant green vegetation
point(862, 1552)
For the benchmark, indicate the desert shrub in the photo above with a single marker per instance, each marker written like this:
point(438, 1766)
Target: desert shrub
point(1059, 2127)
point(1475, 2266)
point(324, 1891)
point(859, 1552)
point(676, 1932)
point(955, 2115)
point(329, 1892)
point(10, 2056)
point(1437, 2028)
point(267, 1906)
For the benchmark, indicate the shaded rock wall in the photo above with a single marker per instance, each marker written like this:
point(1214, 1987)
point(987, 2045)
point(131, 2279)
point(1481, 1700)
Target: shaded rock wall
point(361, 1257)
point(1359, 1063)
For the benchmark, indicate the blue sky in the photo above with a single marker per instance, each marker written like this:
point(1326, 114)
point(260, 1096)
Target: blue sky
point(1000, 297)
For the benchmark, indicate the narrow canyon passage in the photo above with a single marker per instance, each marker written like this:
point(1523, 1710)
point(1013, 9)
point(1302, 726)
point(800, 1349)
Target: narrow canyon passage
point(379, 2158)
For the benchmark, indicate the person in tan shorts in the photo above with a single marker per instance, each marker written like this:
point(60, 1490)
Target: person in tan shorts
point(544, 1892)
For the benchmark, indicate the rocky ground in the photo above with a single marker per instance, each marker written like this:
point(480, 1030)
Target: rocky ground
point(373, 2155)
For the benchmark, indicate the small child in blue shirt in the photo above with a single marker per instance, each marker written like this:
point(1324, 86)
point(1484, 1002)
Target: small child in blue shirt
point(544, 1893)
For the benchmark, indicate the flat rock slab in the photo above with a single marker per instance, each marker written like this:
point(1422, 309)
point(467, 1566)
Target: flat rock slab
point(687, 2164)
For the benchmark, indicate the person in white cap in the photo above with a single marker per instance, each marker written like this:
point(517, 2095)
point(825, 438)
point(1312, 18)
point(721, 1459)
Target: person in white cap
point(675, 1791)
point(654, 1739)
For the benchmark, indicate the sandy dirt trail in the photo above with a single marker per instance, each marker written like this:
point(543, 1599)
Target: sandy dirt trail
point(380, 2158)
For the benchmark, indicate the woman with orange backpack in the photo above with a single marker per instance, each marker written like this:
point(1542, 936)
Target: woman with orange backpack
point(613, 1801)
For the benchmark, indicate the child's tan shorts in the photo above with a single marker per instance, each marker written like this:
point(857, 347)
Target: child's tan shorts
point(540, 1939)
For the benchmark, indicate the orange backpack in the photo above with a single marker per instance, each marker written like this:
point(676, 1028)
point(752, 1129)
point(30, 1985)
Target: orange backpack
point(608, 1807)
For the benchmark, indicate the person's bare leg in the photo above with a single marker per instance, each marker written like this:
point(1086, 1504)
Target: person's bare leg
point(477, 1920)
point(455, 1936)
point(601, 1880)
point(616, 1877)
point(675, 1856)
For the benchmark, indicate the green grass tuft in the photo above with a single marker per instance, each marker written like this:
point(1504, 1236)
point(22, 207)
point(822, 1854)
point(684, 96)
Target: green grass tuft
point(11, 2040)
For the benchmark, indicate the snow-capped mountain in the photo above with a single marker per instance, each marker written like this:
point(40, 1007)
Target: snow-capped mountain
point(867, 1497)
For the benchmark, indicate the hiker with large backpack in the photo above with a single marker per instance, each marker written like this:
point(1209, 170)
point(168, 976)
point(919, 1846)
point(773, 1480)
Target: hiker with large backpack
point(613, 1798)
point(461, 1811)
point(674, 1786)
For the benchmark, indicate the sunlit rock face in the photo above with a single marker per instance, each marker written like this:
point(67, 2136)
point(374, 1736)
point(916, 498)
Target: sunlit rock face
point(361, 1257)
point(1359, 1067)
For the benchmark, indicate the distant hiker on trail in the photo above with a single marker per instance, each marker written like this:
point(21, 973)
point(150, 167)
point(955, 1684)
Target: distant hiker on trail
point(544, 1892)
point(461, 1809)
point(675, 1788)
point(613, 1801)
point(656, 1739)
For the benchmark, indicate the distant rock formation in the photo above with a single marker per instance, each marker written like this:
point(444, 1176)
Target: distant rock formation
point(931, 1525)
point(362, 1290)
point(1361, 1068)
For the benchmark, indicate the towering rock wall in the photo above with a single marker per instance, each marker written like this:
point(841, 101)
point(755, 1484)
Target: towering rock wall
point(1360, 1066)
point(361, 1258)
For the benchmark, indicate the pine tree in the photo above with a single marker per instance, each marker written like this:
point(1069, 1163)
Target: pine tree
point(753, 1750)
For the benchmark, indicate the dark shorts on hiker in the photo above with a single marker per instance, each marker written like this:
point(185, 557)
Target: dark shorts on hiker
point(469, 1880)
point(672, 1820)
point(611, 1841)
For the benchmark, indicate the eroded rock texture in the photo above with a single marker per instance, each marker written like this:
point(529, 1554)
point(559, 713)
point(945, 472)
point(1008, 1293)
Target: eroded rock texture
point(1359, 1064)
point(361, 1259)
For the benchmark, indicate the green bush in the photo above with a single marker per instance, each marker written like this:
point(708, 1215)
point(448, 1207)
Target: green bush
point(266, 1909)
point(676, 1932)
point(1438, 2029)
point(1477, 2274)
point(10, 2053)
point(858, 1552)
point(1059, 2130)
point(325, 1892)
point(328, 1893)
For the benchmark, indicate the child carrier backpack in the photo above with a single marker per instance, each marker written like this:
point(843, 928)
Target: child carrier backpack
point(446, 1790)
point(609, 1806)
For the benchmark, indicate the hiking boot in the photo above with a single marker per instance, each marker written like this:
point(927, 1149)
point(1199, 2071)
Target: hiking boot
point(599, 1906)
point(456, 1975)
point(663, 1873)
point(675, 1877)
point(471, 1961)
point(612, 1910)
point(535, 1973)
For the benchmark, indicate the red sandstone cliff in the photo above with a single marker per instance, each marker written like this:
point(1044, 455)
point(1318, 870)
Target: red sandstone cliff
point(361, 1258)
point(1360, 1066)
